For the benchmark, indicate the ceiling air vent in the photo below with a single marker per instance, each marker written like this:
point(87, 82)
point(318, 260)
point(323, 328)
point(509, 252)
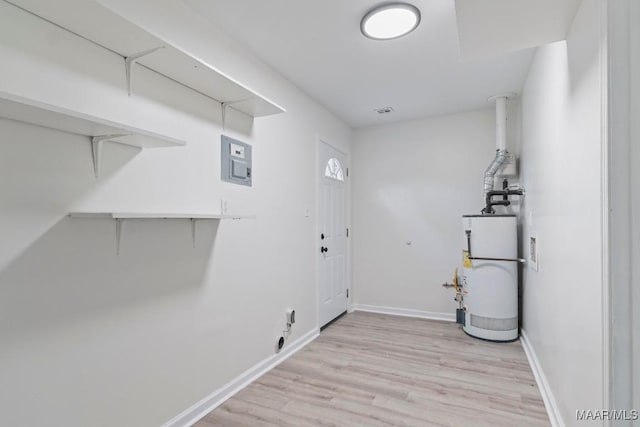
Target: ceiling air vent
point(384, 110)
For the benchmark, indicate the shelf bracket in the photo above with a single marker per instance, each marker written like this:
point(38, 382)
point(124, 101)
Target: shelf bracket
point(118, 234)
point(130, 60)
point(96, 150)
point(227, 104)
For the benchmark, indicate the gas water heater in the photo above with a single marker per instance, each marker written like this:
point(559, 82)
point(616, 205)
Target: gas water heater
point(490, 276)
point(487, 289)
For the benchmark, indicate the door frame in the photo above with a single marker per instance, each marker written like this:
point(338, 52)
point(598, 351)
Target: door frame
point(316, 180)
point(621, 253)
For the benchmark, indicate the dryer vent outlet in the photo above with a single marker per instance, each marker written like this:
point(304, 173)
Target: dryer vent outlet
point(279, 343)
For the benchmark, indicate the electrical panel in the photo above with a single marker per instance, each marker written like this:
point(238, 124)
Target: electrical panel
point(236, 161)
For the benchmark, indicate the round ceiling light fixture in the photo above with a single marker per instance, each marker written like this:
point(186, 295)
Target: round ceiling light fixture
point(390, 21)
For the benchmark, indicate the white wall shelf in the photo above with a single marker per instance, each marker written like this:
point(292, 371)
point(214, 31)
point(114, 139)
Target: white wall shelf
point(97, 23)
point(97, 129)
point(159, 215)
point(119, 217)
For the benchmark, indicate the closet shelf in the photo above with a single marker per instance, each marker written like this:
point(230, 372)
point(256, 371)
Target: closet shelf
point(97, 23)
point(99, 130)
point(156, 215)
point(50, 116)
point(119, 217)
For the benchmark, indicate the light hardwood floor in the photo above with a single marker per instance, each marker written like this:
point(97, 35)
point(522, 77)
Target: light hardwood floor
point(376, 370)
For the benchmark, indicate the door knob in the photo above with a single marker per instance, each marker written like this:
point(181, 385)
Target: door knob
point(323, 249)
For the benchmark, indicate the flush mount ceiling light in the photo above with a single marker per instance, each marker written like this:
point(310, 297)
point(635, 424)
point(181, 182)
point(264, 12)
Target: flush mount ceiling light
point(390, 21)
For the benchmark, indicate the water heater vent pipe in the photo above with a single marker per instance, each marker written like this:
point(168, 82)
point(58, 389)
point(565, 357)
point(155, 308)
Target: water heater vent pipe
point(501, 140)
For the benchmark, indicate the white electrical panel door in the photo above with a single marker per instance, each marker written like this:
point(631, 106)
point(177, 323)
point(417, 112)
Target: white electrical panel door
point(332, 233)
point(235, 159)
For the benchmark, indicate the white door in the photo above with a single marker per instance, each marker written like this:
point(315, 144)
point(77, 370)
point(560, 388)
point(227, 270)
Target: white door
point(332, 233)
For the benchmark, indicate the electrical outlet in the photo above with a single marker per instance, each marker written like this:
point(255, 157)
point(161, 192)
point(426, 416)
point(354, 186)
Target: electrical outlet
point(291, 316)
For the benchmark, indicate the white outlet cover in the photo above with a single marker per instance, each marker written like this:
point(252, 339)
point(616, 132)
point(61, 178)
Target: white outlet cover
point(533, 250)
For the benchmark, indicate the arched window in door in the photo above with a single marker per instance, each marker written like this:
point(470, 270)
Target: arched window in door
point(333, 170)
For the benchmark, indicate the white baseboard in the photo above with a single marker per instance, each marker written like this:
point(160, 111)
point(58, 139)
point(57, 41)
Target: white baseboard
point(193, 414)
point(543, 385)
point(406, 312)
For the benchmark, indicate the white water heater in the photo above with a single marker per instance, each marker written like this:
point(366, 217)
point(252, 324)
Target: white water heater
point(490, 276)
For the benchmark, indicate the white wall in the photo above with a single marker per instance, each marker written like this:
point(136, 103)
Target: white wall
point(92, 338)
point(412, 182)
point(561, 172)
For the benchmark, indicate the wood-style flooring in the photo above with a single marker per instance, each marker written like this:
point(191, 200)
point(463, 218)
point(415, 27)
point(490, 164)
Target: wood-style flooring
point(376, 370)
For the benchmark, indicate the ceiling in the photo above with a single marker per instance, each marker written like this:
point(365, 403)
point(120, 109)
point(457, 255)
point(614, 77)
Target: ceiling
point(318, 46)
point(488, 27)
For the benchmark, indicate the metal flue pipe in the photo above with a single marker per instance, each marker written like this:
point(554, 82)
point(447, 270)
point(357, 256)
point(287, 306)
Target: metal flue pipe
point(501, 141)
